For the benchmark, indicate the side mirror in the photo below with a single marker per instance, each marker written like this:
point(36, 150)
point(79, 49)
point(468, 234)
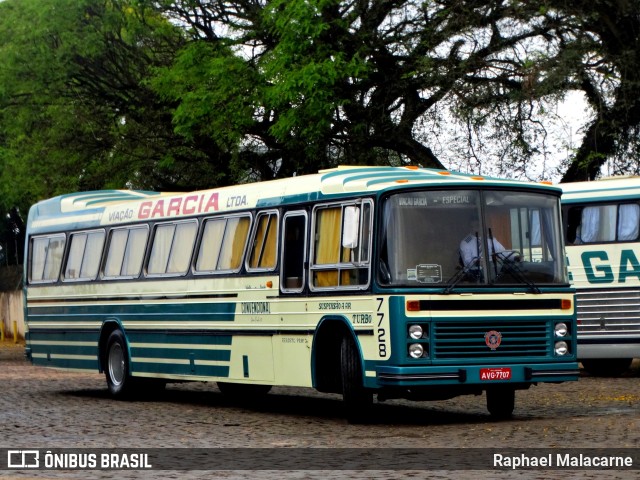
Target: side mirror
point(350, 227)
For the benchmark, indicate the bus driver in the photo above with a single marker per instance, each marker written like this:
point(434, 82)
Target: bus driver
point(471, 246)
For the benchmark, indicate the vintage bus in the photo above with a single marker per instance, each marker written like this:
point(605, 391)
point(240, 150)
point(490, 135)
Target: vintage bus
point(602, 231)
point(350, 281)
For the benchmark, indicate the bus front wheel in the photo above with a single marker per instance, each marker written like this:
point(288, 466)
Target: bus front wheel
point(117, 370)
point(357, 399)
point(501, 401)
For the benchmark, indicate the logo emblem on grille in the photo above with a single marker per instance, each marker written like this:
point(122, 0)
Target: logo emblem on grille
point(493, 339)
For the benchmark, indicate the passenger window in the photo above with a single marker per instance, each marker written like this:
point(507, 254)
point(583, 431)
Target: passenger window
point(264, 247)
point(172, 248)
point(222, 244)
point(85, 252)
point(126, 252)
point(46, 254)
point(603, 223)
point(334, 262)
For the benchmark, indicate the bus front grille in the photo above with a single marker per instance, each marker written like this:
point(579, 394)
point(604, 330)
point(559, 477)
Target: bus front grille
point(469, 340)
point(602, 312)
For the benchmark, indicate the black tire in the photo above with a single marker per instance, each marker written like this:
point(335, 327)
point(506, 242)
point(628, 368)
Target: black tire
point(243, 391)
point(607, 367)
point(501, 401)
point(116, 369)
point(357, 399)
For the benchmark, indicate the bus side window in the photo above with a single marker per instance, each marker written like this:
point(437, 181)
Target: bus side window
point(327, 246)
point(334, 264)
point(171, 248)
point(603, 223)
point(265, 239)
point(85, 252)
point(223, 243)
point(46, 260)
point(126, 252)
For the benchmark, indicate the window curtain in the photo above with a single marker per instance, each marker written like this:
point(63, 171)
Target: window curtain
point(210, 245)
point(161, 247)
point(590, 224)
point(535, 238)
point(598, 224)
point(628, 222)
point(181, 248)
point(263, 254)
point(258, 240)
point(327, 248)
point(134, 253)
point(54, 258)
point(268, 259)
point(240, 233)
point(548, 231)
point(92, 255)
point(76, 252)
point(116, 252)
point(391, 222)
point(39, 255)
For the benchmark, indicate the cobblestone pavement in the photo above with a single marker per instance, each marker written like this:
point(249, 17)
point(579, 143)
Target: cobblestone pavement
point(44, 408)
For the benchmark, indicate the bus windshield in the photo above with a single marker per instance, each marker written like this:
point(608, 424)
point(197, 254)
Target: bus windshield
point(454, 238)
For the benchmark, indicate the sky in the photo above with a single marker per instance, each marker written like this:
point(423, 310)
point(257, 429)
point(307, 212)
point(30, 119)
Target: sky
point(565, 130)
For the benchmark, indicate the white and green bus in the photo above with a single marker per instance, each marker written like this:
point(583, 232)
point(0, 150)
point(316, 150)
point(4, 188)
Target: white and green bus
point(350, 281)
point(602, 231)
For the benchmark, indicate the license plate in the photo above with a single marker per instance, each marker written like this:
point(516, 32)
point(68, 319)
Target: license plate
point(495, 374)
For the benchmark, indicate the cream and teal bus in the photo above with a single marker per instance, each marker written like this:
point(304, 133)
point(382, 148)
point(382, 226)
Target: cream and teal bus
point(602, 231)
point(350, 281)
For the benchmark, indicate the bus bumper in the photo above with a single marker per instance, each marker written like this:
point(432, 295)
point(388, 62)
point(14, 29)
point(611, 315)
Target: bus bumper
point(476, 374)
point(613, 348)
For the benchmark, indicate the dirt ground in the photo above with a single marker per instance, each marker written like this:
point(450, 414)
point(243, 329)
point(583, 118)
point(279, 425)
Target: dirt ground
point(52, 409)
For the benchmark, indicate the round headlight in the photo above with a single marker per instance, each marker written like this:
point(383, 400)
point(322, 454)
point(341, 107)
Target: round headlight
point(416, 350)
point(561, 348)
point(561, 329)
point(415, 332)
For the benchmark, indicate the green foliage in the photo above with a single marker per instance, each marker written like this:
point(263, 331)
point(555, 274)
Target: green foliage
point(215, 93)
point(308, 67)
point(76, 112)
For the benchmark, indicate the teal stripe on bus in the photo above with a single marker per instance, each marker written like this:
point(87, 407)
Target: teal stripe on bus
point(223, 311)
point(181, 353)
point(65, 349)
point(200, 338)
point(66, 336)
point(84, 364)
point(180, 369)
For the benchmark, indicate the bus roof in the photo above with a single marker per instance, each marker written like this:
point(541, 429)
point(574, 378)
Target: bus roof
point(606, 189)
point(112, 207)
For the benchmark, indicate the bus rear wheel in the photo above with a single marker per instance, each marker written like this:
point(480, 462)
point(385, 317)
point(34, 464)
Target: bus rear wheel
point(117, 370)
point(357, 399)
point(607, 367)
point(501, 401)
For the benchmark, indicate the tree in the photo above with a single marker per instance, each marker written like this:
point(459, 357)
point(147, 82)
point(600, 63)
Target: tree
point(186, 94)
point(358, 81)
point(607, 34)
point(76, 109)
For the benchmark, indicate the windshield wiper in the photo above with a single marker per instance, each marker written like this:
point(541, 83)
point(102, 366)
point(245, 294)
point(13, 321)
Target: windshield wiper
point(511, 267)
point(472, 269)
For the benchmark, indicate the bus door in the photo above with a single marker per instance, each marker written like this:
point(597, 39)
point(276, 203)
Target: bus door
point(294, 251)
